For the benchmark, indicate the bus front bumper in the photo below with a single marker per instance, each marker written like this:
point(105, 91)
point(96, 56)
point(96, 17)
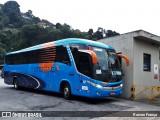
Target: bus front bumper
point(106, 92)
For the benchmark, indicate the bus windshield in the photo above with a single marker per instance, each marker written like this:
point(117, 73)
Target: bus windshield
point(101, 69)
point(113, 60)
point(102, 58)
point(108, 68)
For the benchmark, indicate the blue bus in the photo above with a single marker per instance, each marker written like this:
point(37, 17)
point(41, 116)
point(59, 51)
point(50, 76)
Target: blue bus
point(70, 66)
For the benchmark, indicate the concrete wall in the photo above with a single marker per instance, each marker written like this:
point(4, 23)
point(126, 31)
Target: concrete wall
point(124, 44)
point(145, 77)
point(140, 77)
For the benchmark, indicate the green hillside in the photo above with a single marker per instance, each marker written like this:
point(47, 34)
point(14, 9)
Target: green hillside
point(19, 30)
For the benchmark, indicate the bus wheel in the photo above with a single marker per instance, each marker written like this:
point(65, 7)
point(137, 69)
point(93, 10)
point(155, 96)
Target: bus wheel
point(16, 86)
point(66, 91)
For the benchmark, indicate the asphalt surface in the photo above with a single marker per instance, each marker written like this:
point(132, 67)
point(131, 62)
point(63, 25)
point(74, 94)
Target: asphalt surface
point(31, 100)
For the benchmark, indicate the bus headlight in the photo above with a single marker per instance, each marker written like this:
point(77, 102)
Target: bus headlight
point(99, 86)
point(95, 85)
point(121, 85)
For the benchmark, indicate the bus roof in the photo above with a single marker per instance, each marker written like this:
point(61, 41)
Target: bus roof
point(64, 42)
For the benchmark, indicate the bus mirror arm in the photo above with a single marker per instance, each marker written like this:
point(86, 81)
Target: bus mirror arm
point(125, 57)
point(93, 55)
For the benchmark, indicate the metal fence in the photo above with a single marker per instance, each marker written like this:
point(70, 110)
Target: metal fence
point(150, 92)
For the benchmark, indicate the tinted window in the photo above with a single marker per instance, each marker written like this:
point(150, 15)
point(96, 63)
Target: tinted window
point(24, 57)
point(62, 55)
point(84, 66)
point(45, 55)
point(83, 62)
point(79, 46)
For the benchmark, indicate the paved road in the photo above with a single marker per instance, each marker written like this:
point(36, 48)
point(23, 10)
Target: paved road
point(24, 100)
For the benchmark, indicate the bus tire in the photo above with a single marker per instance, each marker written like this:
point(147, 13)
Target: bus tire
point(66, 91)
point(15, 83)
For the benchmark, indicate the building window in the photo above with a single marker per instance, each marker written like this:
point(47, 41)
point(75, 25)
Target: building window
point(146, 62)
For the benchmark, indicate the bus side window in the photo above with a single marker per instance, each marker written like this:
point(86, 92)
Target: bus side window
point(11, 59)
point(62, 55)
point(76, 56)
point(84, 65)
point(79, 46)
point(7, 60)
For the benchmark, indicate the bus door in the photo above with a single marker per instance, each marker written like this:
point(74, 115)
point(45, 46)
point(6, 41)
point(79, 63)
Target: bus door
point(62, 66)
point(84, 72)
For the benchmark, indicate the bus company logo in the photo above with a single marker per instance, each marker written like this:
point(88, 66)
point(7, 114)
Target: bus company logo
point(47, 56)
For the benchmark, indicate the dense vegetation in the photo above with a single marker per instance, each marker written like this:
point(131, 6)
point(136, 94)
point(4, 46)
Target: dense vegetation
point(19, 30)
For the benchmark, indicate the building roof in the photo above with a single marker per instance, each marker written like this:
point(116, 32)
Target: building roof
point(140, 34)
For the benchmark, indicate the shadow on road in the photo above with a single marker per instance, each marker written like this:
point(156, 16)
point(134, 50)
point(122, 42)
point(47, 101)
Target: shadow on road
point(74, 98)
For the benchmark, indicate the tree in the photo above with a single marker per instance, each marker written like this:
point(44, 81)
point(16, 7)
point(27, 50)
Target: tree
point(5, 20)
point(111, 33)
point(1, 12)
point(66, 31)
point(11, 6)
point(14, 18)
point(29, 13)
point(90, 33)
point(8, 38)
point(36, 20)
point(58, 25)
point(2, 51)
point(99, 33)
point(102, 33)
point(12, 11)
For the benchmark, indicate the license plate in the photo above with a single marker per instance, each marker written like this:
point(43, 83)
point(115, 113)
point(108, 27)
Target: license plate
point(116, 73)
point(112, 93)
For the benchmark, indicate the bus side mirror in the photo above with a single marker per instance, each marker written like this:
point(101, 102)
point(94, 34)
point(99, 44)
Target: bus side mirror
point(125, 57)
point(94, 57)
